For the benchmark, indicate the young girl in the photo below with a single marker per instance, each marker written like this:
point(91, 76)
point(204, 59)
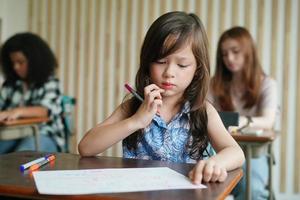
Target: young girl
point(174, 122)
point(240, 85)
point(30, 90)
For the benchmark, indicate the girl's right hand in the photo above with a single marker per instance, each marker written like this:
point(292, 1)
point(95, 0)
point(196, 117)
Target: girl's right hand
point(208, 171)
point(150, 105)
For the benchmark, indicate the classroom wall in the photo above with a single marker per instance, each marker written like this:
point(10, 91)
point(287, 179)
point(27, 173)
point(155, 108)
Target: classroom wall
point(10, 25)
point(97, 43)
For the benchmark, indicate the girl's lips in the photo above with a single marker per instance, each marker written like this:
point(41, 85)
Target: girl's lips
point(167, 85)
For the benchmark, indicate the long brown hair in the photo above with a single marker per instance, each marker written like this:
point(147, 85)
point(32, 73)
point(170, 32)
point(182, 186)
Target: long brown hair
point(252, 71)
point(184, 29)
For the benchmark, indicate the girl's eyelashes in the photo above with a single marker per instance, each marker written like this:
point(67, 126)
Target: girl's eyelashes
point(161, 62)
point(235, 51)
point(182, 66)
point(21, 62)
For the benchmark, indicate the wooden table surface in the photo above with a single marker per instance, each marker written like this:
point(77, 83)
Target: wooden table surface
point(24, 121)
point(17, 184)
point(266, 136)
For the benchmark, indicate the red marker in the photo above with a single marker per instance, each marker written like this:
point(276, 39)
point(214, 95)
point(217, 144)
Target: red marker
point(132, 91)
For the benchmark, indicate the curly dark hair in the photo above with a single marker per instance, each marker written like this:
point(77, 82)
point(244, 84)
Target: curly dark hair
point(41, 60)
point(185, 28)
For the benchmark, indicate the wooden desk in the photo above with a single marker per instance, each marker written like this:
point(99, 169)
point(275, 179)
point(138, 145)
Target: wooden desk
point(255, 146)
point(20, 128)
point(15, 183)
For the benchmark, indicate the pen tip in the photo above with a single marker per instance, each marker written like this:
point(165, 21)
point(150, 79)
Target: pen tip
point(128, 87)
point(48, 155)
point(22, 168)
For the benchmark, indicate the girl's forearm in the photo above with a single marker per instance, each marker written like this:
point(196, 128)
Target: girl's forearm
point(101, 137)
point(264, 122)
point(230, 158)
point(32, 111)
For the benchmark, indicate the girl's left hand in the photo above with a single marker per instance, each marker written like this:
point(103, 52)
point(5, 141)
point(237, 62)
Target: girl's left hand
point(10, 114)
point(207, 171)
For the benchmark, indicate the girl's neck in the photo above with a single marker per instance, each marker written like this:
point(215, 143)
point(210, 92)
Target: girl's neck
point(25, 86)
point(237, 78)
point(170, 108)
point(237, 84)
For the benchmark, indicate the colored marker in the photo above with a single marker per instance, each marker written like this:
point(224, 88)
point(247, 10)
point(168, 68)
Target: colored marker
point(38, 165)
point(132, 91)
point(29, 164)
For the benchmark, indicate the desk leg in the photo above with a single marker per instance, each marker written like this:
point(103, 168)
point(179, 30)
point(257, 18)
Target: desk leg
point(36, 136)
point(270, 152)
point(248, 172)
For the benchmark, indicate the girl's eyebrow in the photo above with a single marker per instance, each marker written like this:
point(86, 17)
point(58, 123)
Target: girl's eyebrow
point(230, 48)
point(235, 47)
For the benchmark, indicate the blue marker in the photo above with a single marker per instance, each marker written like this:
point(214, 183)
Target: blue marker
point(29, 164)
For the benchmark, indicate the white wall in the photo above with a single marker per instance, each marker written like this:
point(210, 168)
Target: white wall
point(67, 25)
point(14, 18)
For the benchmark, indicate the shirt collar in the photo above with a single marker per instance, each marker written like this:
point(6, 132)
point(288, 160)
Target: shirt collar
point(184, 110)
point(19, 83)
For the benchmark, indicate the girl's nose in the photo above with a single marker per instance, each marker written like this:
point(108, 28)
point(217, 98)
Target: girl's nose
point(230, 57)
point(169, 71)
point(16, 66)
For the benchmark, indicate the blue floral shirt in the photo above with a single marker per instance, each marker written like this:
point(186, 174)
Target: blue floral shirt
point(166, 142)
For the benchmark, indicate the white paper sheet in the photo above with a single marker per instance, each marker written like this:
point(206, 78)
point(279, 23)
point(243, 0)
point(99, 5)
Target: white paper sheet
point(74, 182)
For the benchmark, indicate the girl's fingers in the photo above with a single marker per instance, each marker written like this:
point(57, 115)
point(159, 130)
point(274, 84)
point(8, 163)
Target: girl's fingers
point(161, 91)
point(151, 97)
point(155, 105)
point(191, 174)
point(151, 88)
point(208, 171)
point(198, 171)
point(223, 175)
point(151, 100)
point(216, 174)
point(155, 94)
point(4, 116)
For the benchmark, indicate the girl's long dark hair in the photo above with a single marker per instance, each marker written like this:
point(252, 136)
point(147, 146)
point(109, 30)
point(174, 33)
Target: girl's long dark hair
point(159, 43)
point(252, 71)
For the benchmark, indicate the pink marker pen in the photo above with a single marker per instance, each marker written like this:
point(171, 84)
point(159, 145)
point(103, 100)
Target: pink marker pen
point(132, 91)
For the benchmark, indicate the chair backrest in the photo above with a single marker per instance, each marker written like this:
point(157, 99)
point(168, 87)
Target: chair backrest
point(229, 118)
point(68, 106)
